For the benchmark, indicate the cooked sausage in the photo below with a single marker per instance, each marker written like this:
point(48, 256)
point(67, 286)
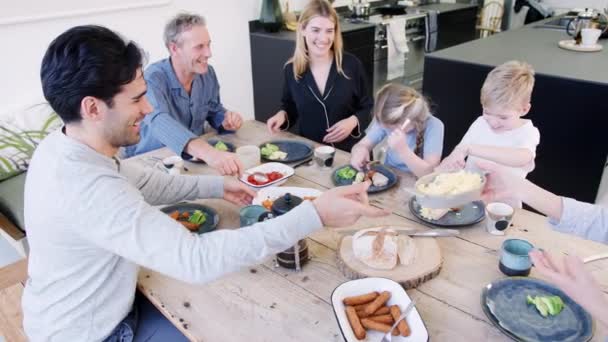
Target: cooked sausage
point(362, 299)
point(355, 324)
point(403, 327)
point(377, 303)
point(386, 319)
point(373, 325)
point(361, 312)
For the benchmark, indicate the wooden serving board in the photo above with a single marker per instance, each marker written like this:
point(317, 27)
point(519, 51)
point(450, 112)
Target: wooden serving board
point(425, 266)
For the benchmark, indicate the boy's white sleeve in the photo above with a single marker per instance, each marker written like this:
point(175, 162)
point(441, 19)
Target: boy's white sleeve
point(530, 139)
point(471, 132)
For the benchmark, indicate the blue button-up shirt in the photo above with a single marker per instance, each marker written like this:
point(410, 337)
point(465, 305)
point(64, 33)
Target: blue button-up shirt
point(177, 117)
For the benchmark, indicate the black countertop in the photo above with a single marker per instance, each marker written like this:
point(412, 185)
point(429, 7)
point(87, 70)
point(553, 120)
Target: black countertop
point(537, 46)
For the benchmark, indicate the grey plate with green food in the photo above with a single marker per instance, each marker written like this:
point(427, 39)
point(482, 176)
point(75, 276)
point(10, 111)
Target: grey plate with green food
point(296, 150)
point(467, 215)
point(383, 169)
point(213, 142)
point(504, 303)
point(212, 217)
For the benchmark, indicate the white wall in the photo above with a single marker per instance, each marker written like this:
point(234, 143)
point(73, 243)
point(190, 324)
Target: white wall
point(25, 44)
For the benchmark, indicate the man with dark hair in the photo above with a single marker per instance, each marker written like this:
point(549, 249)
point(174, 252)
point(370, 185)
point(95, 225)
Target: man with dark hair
point(185, 93)
point(90, 219)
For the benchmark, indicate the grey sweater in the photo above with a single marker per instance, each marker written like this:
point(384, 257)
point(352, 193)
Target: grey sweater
point(90, 224)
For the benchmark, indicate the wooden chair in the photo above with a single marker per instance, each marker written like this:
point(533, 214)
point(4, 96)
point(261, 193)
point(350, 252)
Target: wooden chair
point(489, 19)
point(15, 236)
point(12, 279)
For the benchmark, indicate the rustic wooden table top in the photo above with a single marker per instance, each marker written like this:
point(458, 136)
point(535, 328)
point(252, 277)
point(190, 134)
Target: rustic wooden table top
point(268, 303)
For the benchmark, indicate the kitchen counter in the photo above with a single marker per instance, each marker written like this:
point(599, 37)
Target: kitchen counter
point(444, 8)
point(345, 26)
point(348, 26)
point(536, 46)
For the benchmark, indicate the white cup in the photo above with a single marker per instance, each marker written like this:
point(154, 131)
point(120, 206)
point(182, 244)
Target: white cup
point(174, 165)
point(324, 156)
point(590, 36)
point(249, 155)
point(499, 218)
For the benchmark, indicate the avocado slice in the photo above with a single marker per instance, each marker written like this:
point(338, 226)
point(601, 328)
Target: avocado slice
point(541, 306)
point(546, 305)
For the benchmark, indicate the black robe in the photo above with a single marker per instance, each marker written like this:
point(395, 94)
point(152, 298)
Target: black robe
point(315, 112)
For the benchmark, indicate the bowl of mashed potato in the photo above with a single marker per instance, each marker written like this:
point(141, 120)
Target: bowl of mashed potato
point(449, 189)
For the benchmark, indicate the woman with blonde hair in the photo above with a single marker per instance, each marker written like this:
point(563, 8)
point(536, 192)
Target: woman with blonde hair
point(324, 87)
point(414, 146)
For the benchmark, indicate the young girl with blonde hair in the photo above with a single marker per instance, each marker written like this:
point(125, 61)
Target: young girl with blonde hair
point(325, 88)
point(415, 146)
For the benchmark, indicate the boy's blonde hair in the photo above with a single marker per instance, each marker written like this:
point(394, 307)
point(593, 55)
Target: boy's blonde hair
point(395, 103)
point(508, 85)
point(300, 57)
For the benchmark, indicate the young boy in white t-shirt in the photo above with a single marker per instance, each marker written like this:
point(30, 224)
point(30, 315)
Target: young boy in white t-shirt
point(500, 134)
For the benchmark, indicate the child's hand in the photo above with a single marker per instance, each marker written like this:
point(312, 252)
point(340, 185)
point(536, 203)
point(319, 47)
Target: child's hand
point(359, 157)
point(455, 161)
point(397, 140)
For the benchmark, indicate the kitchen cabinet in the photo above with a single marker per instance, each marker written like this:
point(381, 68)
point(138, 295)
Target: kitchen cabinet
point(456, 27)
point(270, 52)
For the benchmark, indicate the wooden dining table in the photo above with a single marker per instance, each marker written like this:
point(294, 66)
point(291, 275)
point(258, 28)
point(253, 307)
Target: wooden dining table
point(269, 303)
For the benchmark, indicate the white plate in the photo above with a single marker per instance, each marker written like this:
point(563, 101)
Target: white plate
point(274, 192)
point(398, 297)
point(570, 44)
point(286, 170)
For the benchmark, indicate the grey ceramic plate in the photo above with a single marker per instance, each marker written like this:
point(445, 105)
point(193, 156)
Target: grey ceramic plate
point(296, 150)
point(468, 215)
point(383, 169)
point(212, 216)
point(504, 302)
point(212, 142)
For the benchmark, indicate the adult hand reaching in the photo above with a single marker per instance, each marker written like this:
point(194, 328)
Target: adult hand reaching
point(344, 205)
point(275, 122)
point(236, 192)
point(500, 183)
point(340, 130)
point(226, 163)
point(570, 275)
point(232, 121)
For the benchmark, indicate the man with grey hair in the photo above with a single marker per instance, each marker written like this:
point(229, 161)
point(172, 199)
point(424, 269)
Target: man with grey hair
point(185, 93)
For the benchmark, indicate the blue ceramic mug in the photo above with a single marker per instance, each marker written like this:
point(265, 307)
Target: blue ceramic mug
point(253, 214)
point(514, 258)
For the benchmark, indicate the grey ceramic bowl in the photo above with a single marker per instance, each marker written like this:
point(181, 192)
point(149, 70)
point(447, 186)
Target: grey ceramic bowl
point(446, 201)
